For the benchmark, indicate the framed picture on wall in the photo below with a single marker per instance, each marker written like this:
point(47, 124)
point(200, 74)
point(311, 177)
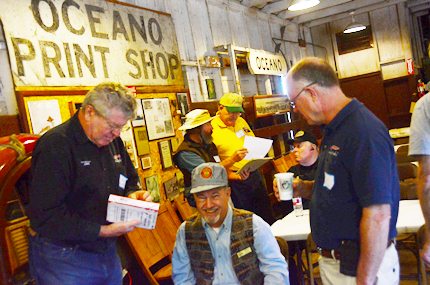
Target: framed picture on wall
point(159, 121)
point(152, 187)
point(171, 188)
point(141, 138)
point(165, 153)
point(183, 104)
point(267, 105)
point(146, 162)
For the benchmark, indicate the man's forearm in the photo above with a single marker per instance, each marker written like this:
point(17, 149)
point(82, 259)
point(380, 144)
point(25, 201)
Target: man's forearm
point(374, 228)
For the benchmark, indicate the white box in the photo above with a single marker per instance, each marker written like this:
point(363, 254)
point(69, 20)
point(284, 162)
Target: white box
point(123, 209)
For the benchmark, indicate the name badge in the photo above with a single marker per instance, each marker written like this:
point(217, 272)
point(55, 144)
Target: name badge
point(244, 252)
point(122, 181)
point(240, 133)
point(216, 158)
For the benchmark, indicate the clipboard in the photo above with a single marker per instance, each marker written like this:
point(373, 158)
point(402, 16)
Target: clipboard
point(254, 164)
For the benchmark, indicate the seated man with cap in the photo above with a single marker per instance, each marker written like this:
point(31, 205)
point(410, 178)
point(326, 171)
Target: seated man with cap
point(197, 147)
point(221, 244)
point(306, 153)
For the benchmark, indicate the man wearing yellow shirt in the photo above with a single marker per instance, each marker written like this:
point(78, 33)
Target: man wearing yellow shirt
point(229, 131)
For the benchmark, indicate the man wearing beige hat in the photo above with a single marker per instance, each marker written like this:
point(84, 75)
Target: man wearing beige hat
point(197, 147)
point(221, 244)
point(229, 131)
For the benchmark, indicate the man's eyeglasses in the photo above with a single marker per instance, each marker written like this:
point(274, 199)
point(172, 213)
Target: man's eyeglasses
point(114, 127)
point(293, 102)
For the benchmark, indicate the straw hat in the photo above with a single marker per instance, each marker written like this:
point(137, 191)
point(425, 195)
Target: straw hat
point(196, 118)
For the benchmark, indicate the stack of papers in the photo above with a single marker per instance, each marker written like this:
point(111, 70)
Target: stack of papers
point(257, 150)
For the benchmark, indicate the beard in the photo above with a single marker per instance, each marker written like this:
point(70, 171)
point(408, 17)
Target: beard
point(207, 139)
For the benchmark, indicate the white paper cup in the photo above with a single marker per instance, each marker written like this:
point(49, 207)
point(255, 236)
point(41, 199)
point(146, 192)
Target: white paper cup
point(285, 185)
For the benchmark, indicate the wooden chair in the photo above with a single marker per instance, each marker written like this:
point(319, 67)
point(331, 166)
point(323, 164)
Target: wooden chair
point(283, 163)
point(408, 182)
point(182, 206)
point(311, 247)
point(153, 249)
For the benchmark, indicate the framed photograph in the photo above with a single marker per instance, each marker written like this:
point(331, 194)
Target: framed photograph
point(140, 117)
point(127, 137)
point(44, 115)
point(267, 105)
point(165, 154)
point(183, 103)
point(174, 142)
point(180, 181)
point(159, 122)
point(146, 162)
point(152, 187)
point(141, 138)
point(171, 188)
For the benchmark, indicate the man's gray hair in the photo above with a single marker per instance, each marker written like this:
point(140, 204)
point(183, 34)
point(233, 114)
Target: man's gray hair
point(313, 69)
point(109, 95)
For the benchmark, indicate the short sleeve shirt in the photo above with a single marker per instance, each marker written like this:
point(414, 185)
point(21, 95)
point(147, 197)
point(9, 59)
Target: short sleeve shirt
point(419, 140)
point(356, 169)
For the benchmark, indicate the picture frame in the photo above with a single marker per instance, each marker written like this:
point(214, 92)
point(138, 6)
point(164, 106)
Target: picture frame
point(141, 139)
point(129, 143)
point(44, 115)
point(268, 105)
point(146, 162)
point(165, 150)
point(152, 187)
point(183, 103)
point(171, 188)
point(158, 117)
point(210, 85)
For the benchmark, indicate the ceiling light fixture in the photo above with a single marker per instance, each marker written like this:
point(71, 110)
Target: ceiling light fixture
point(297, 5)
point(353, 26)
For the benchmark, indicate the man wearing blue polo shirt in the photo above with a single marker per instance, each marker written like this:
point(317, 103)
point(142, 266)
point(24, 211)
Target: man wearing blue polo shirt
point(354, 205)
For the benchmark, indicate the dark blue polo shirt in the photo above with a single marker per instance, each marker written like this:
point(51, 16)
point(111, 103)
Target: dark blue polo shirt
point(357, 168)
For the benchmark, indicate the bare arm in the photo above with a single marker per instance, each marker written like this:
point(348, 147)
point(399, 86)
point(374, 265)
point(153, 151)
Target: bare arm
point(374, 227)
point(238, 155)
point(423, 189)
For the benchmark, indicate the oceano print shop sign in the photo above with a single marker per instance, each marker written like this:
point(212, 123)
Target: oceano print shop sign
point(81, 43)
point(263, 62)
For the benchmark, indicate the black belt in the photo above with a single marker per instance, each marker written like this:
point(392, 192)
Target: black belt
point(335, 254)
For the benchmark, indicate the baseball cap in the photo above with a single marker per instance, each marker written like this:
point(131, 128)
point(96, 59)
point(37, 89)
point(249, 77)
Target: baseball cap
point(233, 102)
point(302, 136)
point(196, 118)
point(208, 176)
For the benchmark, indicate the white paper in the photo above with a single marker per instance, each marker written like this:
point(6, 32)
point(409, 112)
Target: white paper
point(123, 209)
point(257, 147)
point(328, 180)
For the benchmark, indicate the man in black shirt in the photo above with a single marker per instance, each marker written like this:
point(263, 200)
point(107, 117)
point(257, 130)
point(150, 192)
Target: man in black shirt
point(75, 167)
point(306, 152)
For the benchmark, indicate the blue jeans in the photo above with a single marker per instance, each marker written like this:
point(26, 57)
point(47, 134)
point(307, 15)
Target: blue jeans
point(51, 263)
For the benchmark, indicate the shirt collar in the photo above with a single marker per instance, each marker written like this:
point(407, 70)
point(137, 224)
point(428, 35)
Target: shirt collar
point(217, 120)
point(78, 130)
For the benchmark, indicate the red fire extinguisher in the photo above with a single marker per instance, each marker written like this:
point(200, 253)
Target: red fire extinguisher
point(421, 87)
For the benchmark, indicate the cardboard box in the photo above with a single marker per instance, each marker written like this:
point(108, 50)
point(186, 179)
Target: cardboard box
point(123, 209)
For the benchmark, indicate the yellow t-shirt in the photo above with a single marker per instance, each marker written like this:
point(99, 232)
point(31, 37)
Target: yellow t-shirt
point(229, 139)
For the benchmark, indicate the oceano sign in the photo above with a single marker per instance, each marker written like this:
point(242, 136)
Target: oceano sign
point(81, 43)
point(263, 62)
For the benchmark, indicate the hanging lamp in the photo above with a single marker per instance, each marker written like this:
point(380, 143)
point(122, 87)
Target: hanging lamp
point(353, 26)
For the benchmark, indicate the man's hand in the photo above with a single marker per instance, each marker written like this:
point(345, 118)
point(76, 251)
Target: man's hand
point(117, 229)
point(141, 195)
point(244, 174)
point(239, 154)
point(301, 188)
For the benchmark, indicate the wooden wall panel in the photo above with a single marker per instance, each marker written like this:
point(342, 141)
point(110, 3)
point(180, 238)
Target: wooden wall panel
point(9, 124)
point(368, 89)
point(399, 92)
point(218, 17)
point(237, 25)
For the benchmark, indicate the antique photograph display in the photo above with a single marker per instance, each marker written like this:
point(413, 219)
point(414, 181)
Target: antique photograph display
point(140, 117)
point(127, 137)
point(141, 138)
point(165, 153)
point(152, 187)
point(268, 105)
point(159, 121)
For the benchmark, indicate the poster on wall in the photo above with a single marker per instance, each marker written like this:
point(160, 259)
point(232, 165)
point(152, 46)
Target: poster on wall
point(152, 187)
point(85, 42)
point(140, 117)
point(44, 115)
point(159, 121)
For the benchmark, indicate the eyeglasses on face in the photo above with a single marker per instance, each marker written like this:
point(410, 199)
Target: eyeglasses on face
point(293, 102)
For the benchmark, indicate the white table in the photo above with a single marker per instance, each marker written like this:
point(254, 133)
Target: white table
point(292, 228)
